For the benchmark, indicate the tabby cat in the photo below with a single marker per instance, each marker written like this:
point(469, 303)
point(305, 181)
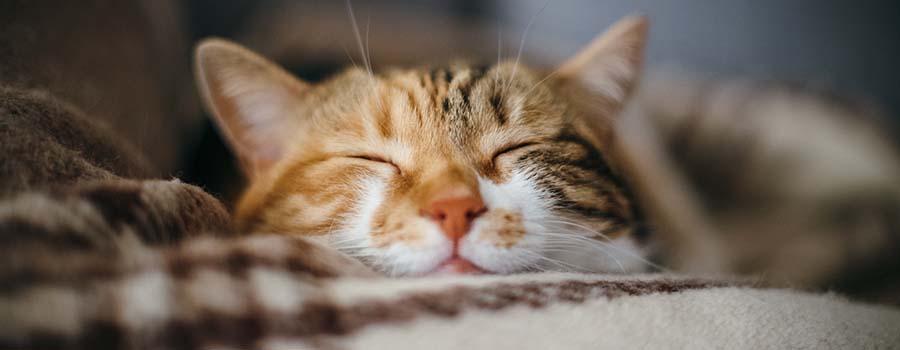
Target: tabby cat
point(438, 170)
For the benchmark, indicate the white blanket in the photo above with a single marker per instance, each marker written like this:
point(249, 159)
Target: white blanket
point(704, 318)
point(284, 293)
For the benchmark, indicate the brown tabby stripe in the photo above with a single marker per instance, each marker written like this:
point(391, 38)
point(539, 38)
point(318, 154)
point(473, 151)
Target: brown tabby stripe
point(322, 317)
point(465, 88)
point(499, 108)
point(445, 76)
point(558, 172)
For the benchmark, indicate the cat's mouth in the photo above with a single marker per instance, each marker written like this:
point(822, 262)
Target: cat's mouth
point(457, 266)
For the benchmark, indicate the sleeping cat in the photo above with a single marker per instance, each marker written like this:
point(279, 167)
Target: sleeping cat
point(454, 169)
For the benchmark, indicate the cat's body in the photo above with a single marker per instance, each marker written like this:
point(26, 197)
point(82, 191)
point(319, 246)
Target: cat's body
point(461, 168)
point(799, 185)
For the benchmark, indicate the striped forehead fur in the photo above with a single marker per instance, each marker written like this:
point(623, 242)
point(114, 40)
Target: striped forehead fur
point(422, 126)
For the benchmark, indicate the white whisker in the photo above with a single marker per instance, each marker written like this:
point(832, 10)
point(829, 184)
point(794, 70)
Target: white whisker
point(548, 76)
point(565, 265)
point(352, 61)
point(359, 41)
point(499, 51)
point(522, 42)
point(595, 233)
point(368, 50)
point(575, 244)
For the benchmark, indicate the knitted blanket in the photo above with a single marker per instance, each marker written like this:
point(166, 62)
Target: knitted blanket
point(94, 257)
point(275, 292)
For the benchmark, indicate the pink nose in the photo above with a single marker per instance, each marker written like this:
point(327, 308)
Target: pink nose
point(455, 214)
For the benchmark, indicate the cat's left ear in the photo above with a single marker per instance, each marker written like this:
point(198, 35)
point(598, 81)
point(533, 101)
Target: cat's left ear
point(610, 65)
point(253, 101)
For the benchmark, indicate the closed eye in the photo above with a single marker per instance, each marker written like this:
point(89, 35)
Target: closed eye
point(375, 158)
point(511, 148)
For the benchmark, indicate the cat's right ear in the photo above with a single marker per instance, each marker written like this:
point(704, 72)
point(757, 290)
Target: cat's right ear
point(252, 100)
point(608, 68)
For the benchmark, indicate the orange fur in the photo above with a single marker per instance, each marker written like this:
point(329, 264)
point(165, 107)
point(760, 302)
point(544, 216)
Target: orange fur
point(417, 134)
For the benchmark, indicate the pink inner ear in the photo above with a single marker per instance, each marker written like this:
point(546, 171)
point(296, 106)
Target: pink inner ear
point(252, 99)
point(265, 156)
point(252, 119)
point(609, 65)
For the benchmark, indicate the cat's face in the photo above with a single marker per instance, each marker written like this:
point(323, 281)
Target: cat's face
point(460, 169)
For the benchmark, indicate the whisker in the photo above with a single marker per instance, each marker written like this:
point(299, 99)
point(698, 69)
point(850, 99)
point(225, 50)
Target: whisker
point(332, 223)
point(527, 265)
point(352, 61)
point(610, 244)
point(350, 244)
point(594, 233)
point(559, 262)
point(499, 44)
point(349, 239)
point(351, 247)
point(522, 42)
point(359, 41)
point(368, 51)
point(554, 72)
point(572, 247)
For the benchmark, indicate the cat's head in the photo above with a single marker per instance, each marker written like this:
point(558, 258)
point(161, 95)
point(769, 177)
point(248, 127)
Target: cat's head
point(462, 168)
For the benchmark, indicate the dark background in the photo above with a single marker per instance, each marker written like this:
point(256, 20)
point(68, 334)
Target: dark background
point(852, 47)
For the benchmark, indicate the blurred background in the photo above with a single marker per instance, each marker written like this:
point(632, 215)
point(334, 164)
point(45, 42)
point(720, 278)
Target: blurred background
point(851, 47)
point(854, 45)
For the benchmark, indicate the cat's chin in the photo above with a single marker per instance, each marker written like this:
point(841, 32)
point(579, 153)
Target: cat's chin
point(457, 266)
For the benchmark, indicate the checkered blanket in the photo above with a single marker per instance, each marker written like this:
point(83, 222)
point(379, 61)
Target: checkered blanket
point(275, 292)
point(95, 257)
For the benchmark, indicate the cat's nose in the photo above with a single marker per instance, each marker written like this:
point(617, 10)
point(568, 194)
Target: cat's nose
point(455, 213)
